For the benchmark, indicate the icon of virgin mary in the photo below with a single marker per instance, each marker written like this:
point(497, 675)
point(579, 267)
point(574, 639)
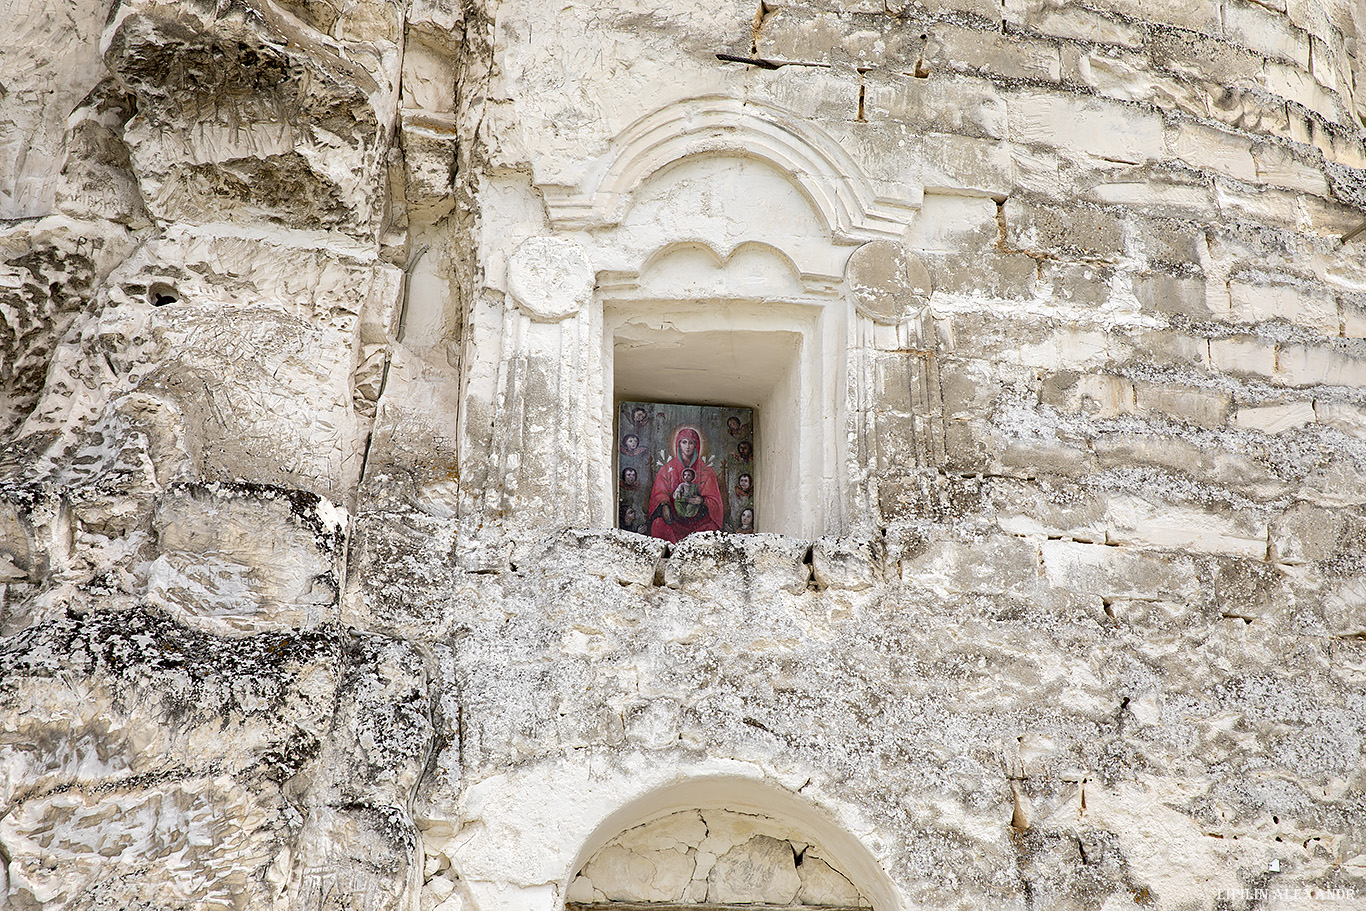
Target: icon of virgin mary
point(665, 519)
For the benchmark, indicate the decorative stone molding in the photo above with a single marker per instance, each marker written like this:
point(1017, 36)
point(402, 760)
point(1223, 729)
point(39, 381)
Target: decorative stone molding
point(850, 206)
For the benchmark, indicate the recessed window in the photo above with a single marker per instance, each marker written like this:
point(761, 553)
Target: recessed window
point(766, 357)
point(685, 468)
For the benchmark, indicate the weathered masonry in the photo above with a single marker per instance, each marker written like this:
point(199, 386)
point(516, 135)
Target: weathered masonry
point(316, 321)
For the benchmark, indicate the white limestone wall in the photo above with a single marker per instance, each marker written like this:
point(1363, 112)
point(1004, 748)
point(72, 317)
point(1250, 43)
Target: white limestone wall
point(312, 315)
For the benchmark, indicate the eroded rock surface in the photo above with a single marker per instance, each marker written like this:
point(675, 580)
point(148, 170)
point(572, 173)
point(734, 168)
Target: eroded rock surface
point(311, 315)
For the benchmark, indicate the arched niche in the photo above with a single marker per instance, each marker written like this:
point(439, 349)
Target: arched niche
point(750, 823)
point(714, 236)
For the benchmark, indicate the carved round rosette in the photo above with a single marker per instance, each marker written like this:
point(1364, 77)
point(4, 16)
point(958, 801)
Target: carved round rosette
point(887, 282)
point(550, 278)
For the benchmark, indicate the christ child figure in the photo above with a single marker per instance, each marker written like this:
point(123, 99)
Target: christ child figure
point(688, 496)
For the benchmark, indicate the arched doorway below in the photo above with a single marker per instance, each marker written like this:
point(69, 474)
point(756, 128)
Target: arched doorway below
point(712, 859)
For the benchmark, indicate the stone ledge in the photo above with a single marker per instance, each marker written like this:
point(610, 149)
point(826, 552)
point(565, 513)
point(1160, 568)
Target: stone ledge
point(754, 563)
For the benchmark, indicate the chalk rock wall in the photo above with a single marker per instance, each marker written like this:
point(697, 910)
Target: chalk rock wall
point(308, 592)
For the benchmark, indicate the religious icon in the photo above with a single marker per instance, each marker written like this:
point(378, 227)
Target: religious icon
point(677, 476)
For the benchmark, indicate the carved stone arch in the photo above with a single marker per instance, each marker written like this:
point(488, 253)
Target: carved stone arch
point(768, 808)
point(852, 207)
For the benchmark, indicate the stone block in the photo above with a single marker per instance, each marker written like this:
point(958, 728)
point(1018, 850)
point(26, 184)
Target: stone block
point(382, 730)
point(1296, 85)
point(846, 564)
point(1071, 348)
point(995, 565)
point(1114, 573)
point(1179, 453)
point(822, 884)
point(761, 870)
point(1339, 147)
point(358, 857)
point(957, 49)
point(709, 561)
point(1274, 418)
point(1161, 292)
point(1265, 31)
point(241, 559)
point(1203, 407)
point(901, 444)
point(1083, 285)
point(895, 377)
point(19, 554)
point(1244, 590)
point(1343, 416)
point(1131, 520)
point(1327, 218)
point(1173, 348)
point(1243, 355)
point(429, 70)
point(1073, 23)
point(171, 843)
point(1353, 312)
point(1262, 205)
point(1302, 365)
point(1033, 456)
point(950, 222)
point(1054, 511)
point(1177, 245)
point(983, 167)
point(1086, 126)
point(953, 104)
point(1204, 57)
point(1309, 307)
point(965, 447)
point(1306, 533)
point(1289, 167)
point(1190, 198)
point(1100, 395)
point(623, 556)
point(1129, 76)
point(429, 161)
point(301, 149)
point(1212, 149)
point(967, 388)
point(251, 356)
point(1338, 481)
point(1197, 17)
point(619, 873)
point(990, 274)
point(808, 92)
point(1075, 230)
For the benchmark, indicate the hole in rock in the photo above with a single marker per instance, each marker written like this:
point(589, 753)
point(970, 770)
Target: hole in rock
point(161, 294)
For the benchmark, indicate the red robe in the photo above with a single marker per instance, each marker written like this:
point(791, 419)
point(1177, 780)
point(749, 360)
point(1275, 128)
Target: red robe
point(666, 481)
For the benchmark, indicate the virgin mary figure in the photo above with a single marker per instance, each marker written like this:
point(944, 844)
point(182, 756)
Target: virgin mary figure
point(665, 522)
